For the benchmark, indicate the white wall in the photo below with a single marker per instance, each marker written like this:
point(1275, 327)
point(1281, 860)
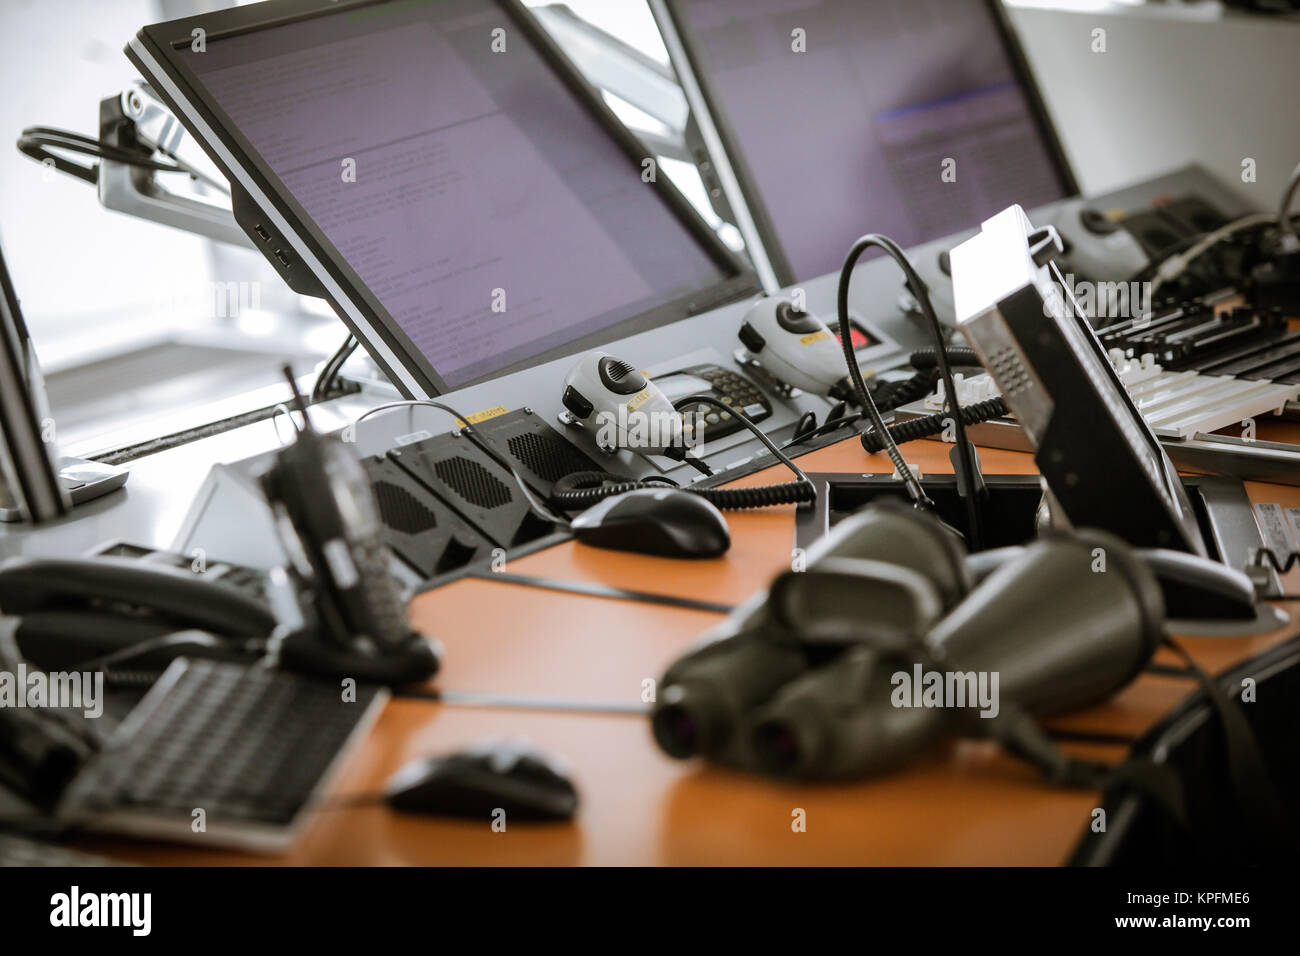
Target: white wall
point(82, 272)
point(1172, 87)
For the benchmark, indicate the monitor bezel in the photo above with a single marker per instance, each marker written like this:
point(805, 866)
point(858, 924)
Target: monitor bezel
point(29, 464)
point(748, 182)
point(155, 52)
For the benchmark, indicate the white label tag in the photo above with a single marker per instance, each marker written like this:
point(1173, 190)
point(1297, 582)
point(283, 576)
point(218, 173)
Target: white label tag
point(1293, 519)
point(412, 438)
point(1275, 528)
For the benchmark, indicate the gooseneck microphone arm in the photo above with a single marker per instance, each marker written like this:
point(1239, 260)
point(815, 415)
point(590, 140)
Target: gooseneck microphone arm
point(967, 478)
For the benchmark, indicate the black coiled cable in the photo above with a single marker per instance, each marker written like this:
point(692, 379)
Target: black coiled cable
point(570, 493)
point(584, 489)
point(1265, 557)
point(890, 395)
point(929, 425)
point(957, 355)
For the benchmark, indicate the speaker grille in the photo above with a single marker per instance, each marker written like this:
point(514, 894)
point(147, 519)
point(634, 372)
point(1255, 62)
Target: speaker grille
point(1011, 375)
point(472, 482)
point(401, 510)
point(547, 455)
point(619, 370)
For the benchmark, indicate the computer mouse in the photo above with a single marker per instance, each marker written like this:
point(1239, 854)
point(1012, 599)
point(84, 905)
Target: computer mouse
point(1196, 588)
point(475, 784)
point(667, 522)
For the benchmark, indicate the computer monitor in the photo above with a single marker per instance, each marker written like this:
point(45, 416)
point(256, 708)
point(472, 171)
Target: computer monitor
point(29, 467)
point(442, 174)
point(36, 482)
point(840, 117)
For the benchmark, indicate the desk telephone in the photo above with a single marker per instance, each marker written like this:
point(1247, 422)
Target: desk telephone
point(337, 611)
point(728, 387)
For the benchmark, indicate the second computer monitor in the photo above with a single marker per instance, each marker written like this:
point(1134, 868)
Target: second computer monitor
point(912, 118)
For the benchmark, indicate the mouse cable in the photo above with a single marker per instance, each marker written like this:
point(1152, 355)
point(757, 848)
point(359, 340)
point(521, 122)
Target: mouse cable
point(484, 444)
point(727, 499)
point(966, 480)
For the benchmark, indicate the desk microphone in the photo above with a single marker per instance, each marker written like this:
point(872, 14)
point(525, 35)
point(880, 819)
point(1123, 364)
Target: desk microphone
point(622, 407)
point(796, 347)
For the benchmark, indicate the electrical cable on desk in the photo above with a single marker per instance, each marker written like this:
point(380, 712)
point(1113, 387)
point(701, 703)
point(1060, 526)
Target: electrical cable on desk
point(1177, 261)
point(887, 395)
point(732, 499)
point(327, 381)
point(574, 498)
point(1172, 267)
point(1267, 557)
point(967, 484)
point(1260, 557)
point(930, 425)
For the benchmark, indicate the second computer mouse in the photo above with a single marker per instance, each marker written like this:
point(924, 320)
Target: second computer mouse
point(477, 783)
point(667, 522)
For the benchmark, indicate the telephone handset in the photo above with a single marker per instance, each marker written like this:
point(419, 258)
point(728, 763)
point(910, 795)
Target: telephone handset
point(74, 610)
point(36, 584)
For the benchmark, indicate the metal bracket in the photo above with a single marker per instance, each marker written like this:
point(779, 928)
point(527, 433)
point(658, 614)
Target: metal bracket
point(139, 192)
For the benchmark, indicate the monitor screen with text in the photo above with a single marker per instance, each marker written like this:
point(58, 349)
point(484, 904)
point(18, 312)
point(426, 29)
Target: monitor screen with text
point(480, 202)
point(902, 117)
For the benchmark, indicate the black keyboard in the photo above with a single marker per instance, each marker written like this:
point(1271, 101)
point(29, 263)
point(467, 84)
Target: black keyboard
point(246, 744)
point(21, 851)
point(1252, 344)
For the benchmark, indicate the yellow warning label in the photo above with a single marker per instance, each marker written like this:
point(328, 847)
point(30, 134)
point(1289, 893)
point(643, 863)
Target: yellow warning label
point(812, 337)
point(637, 400)
point(484, 415)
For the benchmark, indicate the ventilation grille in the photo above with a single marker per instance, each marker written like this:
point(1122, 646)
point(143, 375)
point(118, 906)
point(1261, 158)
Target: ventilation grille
point(548, 456)
point(472, 482)
point(401, 510)
point(1011, 375)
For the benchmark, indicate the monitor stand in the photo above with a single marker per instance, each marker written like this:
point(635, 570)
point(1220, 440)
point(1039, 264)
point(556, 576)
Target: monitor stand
point(83, 480)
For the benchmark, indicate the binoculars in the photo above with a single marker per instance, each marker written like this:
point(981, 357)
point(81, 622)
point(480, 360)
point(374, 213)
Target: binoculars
point(884, 645)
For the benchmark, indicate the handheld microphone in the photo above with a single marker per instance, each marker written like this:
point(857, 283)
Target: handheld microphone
point(794, 346)
point(623, 408)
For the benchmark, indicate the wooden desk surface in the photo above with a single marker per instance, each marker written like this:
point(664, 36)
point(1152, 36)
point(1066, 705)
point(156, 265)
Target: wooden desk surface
point(965, 804)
